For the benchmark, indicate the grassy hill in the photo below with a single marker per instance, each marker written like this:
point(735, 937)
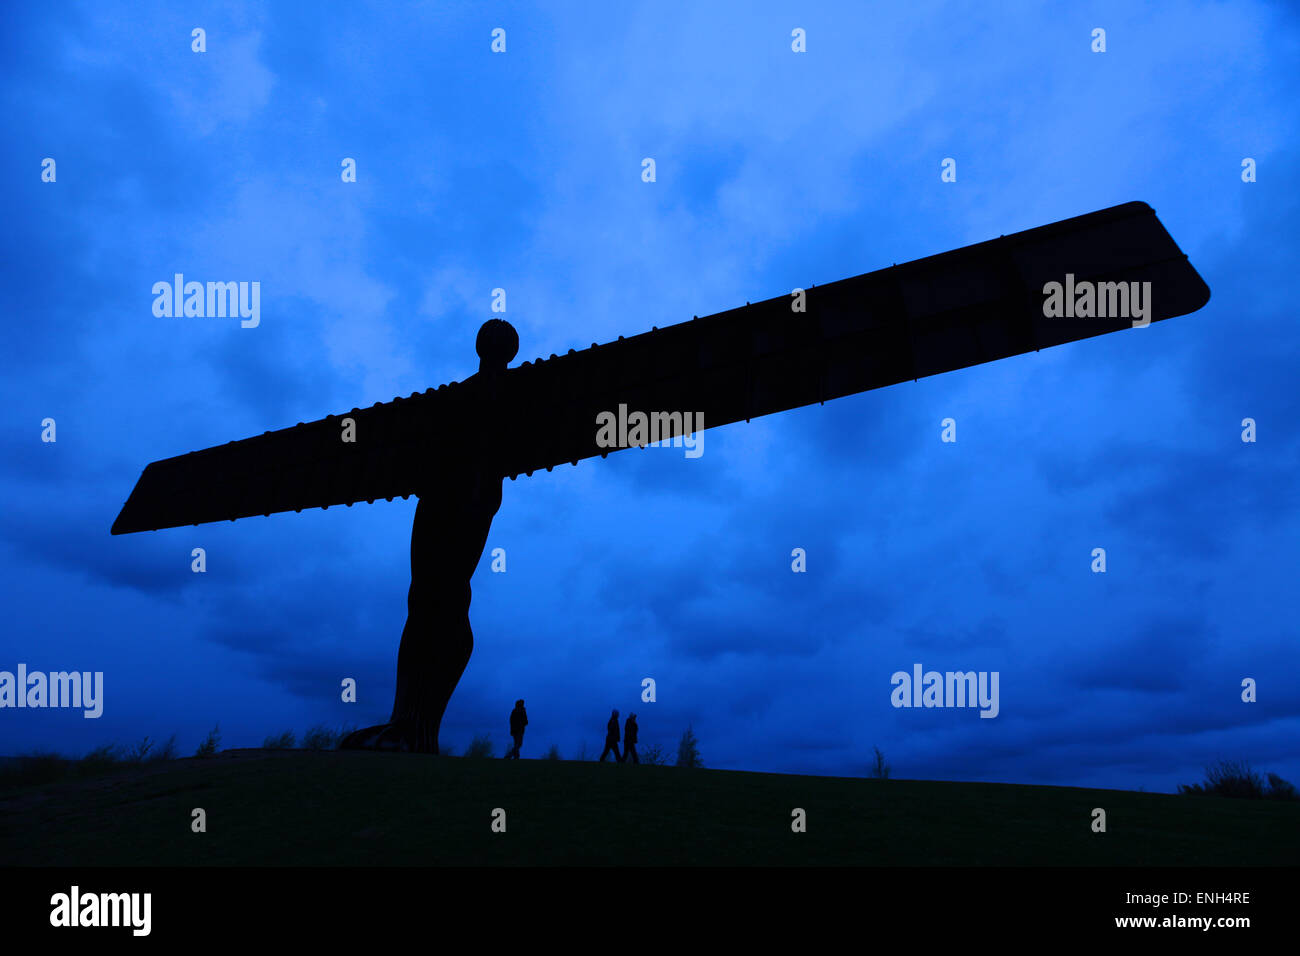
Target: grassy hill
point(351, 808)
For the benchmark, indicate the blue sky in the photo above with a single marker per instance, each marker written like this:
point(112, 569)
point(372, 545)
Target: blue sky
point(775, 169)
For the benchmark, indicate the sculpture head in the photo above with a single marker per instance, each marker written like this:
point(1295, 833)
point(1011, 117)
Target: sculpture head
point(497, 344)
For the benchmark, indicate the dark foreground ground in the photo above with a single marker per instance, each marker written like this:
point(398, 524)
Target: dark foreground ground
point(350, 808)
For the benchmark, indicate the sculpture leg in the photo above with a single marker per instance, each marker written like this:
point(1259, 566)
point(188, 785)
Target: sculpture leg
point(447, 541)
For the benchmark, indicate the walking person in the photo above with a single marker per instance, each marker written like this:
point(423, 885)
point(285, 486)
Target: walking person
point(611, 739)
point(629, 739)
point(518, 721)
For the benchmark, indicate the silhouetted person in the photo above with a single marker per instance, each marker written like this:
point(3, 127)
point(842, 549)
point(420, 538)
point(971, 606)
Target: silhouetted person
point(611, 739)
point(629, 739)
point(518, 721)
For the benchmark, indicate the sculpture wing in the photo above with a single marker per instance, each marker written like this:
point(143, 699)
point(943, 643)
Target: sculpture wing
point(973, 305)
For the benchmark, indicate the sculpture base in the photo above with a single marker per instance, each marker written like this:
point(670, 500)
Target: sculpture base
point(385, 737)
